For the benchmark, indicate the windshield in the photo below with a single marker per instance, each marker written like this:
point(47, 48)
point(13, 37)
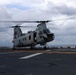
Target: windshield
point(46, 31)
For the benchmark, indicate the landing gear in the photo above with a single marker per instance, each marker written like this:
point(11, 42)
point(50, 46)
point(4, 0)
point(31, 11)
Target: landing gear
point(45, 47)
point(14, 48)
point(31, 47)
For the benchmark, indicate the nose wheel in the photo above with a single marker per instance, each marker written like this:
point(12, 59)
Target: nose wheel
point(45, 47)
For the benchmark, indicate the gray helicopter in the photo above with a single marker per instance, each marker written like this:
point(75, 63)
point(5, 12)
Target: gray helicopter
point(41, 35)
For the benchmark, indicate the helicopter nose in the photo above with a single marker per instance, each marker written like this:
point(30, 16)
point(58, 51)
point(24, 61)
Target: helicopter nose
point(51, 36)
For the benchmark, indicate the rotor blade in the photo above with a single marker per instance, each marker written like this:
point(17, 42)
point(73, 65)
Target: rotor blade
point(17, 21)
point(5, 21)
point(3, 29)
point(44, 21)
point(53, 28)
point(65, 34)
point(28, 26)
point(68, 18)
point(24, 21)
point(18, 26)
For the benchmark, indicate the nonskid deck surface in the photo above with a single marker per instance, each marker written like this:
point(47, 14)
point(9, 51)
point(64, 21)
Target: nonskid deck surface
point(38, 62)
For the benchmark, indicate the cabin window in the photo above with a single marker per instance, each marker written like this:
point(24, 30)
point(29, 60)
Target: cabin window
point(40, 33)
point(25, 38)
point(40, 36)
point(19, 40)
point(30, 37)
point(15, 33)
point(35, 35)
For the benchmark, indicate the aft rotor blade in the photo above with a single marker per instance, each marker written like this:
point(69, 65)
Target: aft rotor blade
point(68, 18)
point(18, 21)
point(43, 21)
point(24, 21)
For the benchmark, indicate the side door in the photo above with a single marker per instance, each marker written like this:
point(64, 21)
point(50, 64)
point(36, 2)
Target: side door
point(35, 35)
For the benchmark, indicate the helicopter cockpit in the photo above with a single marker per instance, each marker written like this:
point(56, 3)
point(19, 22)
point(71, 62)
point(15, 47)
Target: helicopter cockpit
point(47, 31)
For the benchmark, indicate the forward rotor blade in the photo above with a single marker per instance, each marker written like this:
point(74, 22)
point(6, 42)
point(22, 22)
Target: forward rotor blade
point(28, 26)
point(18, 26)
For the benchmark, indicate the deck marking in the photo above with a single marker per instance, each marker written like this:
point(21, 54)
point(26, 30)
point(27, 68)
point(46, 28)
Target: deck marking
point(30, 56)
point(8, 52)
point(33, 55)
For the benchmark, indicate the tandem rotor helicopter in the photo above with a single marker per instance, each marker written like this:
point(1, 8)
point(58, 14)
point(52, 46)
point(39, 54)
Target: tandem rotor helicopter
point(41, 35)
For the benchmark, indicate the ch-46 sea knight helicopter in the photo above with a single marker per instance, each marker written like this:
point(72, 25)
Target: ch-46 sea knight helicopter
point(41, 35)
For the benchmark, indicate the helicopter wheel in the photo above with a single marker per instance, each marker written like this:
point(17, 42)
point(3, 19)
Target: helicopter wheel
point(14, 48)
point(31, 47)
point(45, 47)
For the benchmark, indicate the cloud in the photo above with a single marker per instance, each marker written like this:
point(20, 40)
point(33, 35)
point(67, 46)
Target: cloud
point(3, 13)
point(66, 10)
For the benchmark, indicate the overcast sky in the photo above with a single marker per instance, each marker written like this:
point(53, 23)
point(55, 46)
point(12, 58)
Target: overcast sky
point(64, 30)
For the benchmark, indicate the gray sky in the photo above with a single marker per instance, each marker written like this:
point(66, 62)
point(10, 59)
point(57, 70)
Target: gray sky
point(65, 30)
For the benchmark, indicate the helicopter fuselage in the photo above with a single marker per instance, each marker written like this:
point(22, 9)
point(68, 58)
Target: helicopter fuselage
point(41, 36)
point(33, 38)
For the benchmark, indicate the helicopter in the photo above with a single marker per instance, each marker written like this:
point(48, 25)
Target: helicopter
point(41, 35)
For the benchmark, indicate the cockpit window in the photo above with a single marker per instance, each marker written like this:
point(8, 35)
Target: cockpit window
point(40, 32)
point(46, 31)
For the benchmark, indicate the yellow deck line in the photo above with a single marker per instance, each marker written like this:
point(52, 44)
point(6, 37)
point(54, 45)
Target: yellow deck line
point(61, 52)
point(45, 51)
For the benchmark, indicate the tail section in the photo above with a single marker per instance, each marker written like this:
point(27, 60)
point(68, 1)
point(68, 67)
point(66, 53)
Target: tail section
point(17, 32)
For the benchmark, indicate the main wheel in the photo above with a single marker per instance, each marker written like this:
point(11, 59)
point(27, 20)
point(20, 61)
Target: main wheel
point(45, 47)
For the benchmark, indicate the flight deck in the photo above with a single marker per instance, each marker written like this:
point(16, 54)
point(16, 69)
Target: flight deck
point(38, 62)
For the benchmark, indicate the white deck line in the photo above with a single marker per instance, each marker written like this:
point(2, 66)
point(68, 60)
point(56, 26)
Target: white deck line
point(30, 56)
point(33, 55)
